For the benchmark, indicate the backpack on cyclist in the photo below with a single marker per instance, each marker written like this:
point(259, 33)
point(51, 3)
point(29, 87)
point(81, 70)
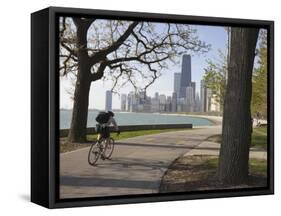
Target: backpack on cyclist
point(103, 117)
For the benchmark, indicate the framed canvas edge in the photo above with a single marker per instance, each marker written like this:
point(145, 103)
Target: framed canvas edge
point(53, 99)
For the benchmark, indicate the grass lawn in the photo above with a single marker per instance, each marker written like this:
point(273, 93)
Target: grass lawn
point(259, 138)
point(65, 146)
point(257, 167)
point(130, 134)
point(198, 172)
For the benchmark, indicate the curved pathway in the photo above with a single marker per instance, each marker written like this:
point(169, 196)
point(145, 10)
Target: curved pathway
point(137, 164)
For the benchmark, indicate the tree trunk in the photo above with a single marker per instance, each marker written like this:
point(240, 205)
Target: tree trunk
point(236, 132)
point(78, 128)
point(77, 132)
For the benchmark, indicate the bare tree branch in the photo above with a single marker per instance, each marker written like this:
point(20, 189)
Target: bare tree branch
point(124, 49)
point(103, 53)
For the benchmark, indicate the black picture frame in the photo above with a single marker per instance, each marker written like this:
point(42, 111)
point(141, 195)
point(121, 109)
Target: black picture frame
point(45, 111)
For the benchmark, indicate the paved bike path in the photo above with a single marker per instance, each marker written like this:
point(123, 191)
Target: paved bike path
point(136, 167)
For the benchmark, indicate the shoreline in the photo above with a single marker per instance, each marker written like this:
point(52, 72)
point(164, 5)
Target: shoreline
point(216, 120)
point(213, 120)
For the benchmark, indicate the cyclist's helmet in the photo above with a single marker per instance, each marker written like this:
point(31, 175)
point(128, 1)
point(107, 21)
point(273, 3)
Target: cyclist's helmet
point(111, 113)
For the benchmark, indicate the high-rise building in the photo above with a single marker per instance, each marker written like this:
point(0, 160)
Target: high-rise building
point(181, 105)
point(203, 96)
point(168, 106)
point(189, 94)
point(177, 83)
point(185, 75)
point(134, 102)
point(197, 103)
point(156, 95)
point(155, 105)
point(123, 102)
point(193, 85)
point(147, 105)
point(206, 98)
point(174, 102)
point(108, 100)
point(162, 100)
point(142, 97)
point(189, 99)
point(129, 102)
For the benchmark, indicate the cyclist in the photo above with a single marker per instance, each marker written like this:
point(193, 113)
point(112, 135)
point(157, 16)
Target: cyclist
point(105, 119)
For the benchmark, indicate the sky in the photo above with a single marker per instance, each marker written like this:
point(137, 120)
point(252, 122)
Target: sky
point(213, 35)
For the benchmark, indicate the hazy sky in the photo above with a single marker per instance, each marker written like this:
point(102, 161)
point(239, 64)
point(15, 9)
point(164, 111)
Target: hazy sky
point(216, 36)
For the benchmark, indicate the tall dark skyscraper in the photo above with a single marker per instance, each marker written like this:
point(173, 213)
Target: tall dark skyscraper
point(185, 75)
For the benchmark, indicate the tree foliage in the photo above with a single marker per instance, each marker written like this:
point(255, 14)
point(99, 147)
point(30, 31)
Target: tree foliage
point(259, 94)
point(215, 77)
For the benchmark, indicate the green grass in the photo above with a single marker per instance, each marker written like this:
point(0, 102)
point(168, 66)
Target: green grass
point(65, 146)
point(212, 163)
point(257, 167)
point(130, 134)
point(259, 138)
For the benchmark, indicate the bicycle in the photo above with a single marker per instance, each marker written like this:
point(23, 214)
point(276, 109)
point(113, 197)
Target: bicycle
point(102, 148)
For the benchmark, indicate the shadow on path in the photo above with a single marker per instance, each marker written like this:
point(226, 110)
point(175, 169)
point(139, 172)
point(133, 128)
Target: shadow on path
point(133, 163)
point(108, 182)
point(172, 146)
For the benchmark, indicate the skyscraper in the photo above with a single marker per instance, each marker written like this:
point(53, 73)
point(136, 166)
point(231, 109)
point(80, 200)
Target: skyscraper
point(123, 102)
point(189, 99)
point(177, 83)
point(206, 95)
point(108, 101)
point(193, 85)
point(129, 102)
point(189, 95)
point(185, 75)
point(156, 95)
point(162, 100)
point(168, 107)
point(174, 102)
point(203, 96)
point(197, 106)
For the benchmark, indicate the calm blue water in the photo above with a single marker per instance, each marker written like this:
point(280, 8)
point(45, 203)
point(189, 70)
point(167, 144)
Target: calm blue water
point(136, 119)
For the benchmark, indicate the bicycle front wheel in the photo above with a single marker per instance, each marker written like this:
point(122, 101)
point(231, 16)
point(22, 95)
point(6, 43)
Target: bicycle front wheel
point(94, 154)
point(109, 148)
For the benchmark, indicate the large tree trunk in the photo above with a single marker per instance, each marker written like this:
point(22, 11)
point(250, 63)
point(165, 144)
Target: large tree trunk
point(234, 152)
point(78, 128)
point(77, 132)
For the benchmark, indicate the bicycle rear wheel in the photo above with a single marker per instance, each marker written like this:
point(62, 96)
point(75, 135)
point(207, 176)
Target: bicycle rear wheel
point(94, 154)
point(109, 148)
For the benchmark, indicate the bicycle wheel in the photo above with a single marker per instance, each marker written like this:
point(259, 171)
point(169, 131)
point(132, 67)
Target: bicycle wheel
point(109, 148)
point(94, 154)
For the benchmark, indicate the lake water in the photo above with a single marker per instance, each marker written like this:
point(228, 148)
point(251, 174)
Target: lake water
point(136, 119)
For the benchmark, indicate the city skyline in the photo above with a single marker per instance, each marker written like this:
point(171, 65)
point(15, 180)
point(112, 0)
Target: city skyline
point(183, 99)
point(179, 101)
point(163, 85)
